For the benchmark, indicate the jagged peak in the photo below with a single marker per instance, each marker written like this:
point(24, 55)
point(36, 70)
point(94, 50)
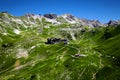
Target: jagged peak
point(67, 15)
point(113, 23)
point(32, 15)
point(50, 16)
point(54, 18)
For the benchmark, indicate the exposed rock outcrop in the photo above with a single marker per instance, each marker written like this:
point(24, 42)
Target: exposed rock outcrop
point(70, 17)
point(50, 16)
point(113, 23)
point(90, 23)
point(33, 20)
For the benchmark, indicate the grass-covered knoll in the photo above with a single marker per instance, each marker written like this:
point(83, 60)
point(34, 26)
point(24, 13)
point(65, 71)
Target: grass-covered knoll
point(93, 55)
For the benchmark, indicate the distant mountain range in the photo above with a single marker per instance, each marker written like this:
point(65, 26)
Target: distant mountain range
point(32, 20)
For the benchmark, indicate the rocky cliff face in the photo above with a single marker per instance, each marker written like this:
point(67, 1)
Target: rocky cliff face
point(113, 23)
point(46, 20)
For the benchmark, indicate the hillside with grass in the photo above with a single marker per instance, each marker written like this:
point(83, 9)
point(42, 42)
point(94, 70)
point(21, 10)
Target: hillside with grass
point(91, 53)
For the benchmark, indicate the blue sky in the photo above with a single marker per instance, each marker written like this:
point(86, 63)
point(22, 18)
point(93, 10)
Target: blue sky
point(102, 10)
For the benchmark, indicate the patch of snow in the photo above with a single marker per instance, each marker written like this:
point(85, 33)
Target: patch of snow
point(64, 16)
point(72, 21)
point(16, 31)
point(36, 16)
point(22, 53)
point(53, 21)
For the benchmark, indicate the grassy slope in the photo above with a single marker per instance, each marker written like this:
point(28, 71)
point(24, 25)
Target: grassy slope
point(57, 62)
point(111, 56)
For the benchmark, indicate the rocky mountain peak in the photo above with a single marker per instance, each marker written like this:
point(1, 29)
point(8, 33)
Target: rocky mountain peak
point(35, 20)
point(68, 16)
point(113, 23)
point(29, 15)
point(50, 16)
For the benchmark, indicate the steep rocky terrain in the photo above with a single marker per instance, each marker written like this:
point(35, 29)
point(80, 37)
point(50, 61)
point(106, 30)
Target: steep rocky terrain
point(91, 53)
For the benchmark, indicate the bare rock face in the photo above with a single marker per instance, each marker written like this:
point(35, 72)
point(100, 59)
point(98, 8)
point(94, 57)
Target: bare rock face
point(90, 23)
point(30, 20)
point(113, 23)
point(50, 16)
point(70, 17)
point(29, 15)
point(96, 23)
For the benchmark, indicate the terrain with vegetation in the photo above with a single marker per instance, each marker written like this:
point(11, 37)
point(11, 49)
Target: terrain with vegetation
point(91, 53)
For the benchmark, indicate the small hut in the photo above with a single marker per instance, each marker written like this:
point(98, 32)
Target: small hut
point(56, 40)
